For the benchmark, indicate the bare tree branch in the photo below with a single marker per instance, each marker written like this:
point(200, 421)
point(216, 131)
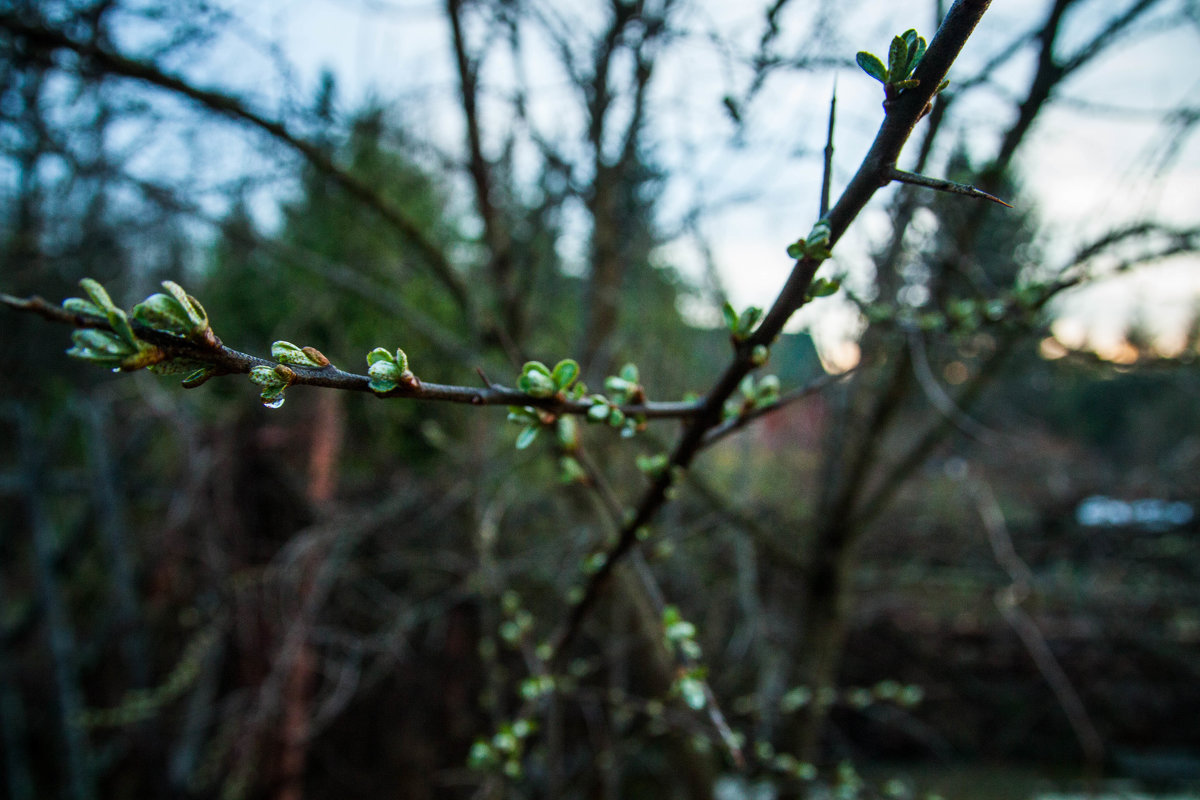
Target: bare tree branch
point(41, 38)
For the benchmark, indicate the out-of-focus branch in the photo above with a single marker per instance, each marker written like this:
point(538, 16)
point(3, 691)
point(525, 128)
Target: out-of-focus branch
point(495, 233)
point(41, 38)
point(1008, 601)
point(786, 399)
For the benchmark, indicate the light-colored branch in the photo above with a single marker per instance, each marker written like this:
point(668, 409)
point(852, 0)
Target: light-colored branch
point(1008, 601)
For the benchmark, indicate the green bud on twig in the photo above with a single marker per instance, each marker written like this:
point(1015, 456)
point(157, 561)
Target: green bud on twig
point(388, 371)
point(288, 353)
point(176, 313)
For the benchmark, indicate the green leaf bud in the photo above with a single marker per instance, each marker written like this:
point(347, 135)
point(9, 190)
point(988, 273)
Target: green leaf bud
point(652, 465)
point(692, 692)
point(565, 373)
point(176, 312)
point(527, 435)
point(191, 306)
point(522, 415)
point(77, 305)
point(823, 287)
point(731, 317)
point(401, 360)
point(93, 342)
point(385, 375)
point(594, 563)
point(536, 380)
point(767, 391)
point(265, 376)
point(273, 384)
point(198, 377)
point(897, 59)
point(288, 353)
point(599, 411)
point(482, 756)
point(379, 354)
point(918, 52)
point(568, 432)
point(98, 294)
point(748, 320)
point(571, 471)
point(795, 699)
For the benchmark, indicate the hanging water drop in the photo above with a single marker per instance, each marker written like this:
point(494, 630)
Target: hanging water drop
point(274, 402)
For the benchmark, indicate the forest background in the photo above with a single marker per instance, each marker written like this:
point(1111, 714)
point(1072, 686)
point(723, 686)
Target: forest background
point(958, 525)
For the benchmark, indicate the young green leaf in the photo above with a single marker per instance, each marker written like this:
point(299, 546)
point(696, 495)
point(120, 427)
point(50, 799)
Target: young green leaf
point(190, 305)
point(288, 353)
point(536, 380)
point(731, 316)
point(599, 411)
point(918, 52)
point(571, 471)
point(565, 373)
point(897, 59)
point(527, 435)
point(379, 354)
point(77, 305)
point(871, 65)
point(198, 377)
point(385, 374)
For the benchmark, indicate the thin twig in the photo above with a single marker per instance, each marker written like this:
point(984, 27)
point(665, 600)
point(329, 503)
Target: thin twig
point(944, 186)
point(654, 596)
point(227, 361)
point(788, 398)
point(1008, 601)
point(938, 397)
point(827, 177)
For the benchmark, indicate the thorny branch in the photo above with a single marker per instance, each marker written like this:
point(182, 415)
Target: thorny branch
point(874, 173)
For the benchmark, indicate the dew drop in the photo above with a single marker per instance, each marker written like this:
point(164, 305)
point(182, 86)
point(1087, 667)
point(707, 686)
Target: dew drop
point(274, 402)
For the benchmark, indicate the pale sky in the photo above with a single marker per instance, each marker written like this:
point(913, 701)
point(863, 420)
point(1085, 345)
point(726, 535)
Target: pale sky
point(1086, 169)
